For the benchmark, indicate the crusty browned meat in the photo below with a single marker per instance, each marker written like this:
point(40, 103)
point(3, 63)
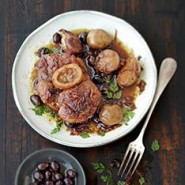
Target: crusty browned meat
point(44, 90)
point(79, 103)
point(71, 44)
point(49, 63)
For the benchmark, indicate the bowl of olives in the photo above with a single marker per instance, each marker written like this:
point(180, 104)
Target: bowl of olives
point(50, 167)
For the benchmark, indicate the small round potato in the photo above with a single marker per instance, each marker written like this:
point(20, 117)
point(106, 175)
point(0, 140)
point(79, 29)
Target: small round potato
point(110, 114)
point(127, 78)
point(99, 39)
point(107, 61)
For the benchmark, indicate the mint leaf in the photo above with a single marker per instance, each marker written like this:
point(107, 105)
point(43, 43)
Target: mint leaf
point(155, 145)
point(141, 180)
point(84, 134)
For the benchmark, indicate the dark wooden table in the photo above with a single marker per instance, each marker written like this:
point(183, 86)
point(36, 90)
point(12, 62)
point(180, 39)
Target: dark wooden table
point(162, 23)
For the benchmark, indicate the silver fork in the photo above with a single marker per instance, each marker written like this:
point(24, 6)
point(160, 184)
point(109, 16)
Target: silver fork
point(136, 148)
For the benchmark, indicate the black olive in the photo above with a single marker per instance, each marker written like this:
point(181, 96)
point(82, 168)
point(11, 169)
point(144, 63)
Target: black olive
point(68, 181)
point(49, 183)
point(56, 38)
point(59, 183)
point(43, 51)
point(38, 176)
point(48, 175)
point(83, 37)
point(35, 99)
point(91, 60)
point(43, 166)
point(115, 163)
point(59, 176)
point(71, 173)
point(55, 166)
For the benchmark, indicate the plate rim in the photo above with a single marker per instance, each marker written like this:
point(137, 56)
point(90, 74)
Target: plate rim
point(56, 140)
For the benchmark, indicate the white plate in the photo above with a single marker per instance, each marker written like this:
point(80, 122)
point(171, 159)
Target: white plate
point(25, 58)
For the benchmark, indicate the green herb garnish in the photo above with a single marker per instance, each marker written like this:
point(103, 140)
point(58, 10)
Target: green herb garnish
point(120, 183)
point(54, 50)
point(101, 133)
point(39, 110)
point(114, 92)
point(57, 127)
point(128, 114)
point(84, 134)
point(141, 180)
point(106, 173)
point(155, 145)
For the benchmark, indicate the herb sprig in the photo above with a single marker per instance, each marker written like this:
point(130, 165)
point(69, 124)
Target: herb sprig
point(114, 91)
point(54, 50)
point(106, 175)
point(141, 180)
point(155, 145)
point(57, 127)
point(128, 114)
point(42, 109)
point(84, 134)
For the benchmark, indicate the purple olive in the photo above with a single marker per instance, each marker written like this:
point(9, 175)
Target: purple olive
point(83, 37)
point(43, 166)
point(71, 173)
point(38, 176)
point(35, 99)
point(55, 166)
point(68, 181)
point(49, 183)
point(59, 176)
point(59, 183)
point(56, 38)
point(48, 175)
point(43, 51)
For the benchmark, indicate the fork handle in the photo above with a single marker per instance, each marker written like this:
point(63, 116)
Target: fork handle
point(167, 70)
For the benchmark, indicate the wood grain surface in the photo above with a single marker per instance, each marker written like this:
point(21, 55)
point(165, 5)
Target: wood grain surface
point(162, 24)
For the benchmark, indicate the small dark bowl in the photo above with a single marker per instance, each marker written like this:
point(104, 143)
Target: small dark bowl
point(25, 170)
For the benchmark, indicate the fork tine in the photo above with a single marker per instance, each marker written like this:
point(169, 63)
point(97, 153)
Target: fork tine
point(123, 161)
point(128, 161)
point(138, 160)
point(133, 161)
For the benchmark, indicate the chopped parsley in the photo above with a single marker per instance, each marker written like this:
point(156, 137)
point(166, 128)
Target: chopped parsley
point(155, 145)
point(114, 91)
point(141, 180)
point(128, 114)
point(84, 134)
point(120, 183)
point(54, 50)
point(106, 175)
point(101, 133)
point(57, 127)
point(42, 109)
